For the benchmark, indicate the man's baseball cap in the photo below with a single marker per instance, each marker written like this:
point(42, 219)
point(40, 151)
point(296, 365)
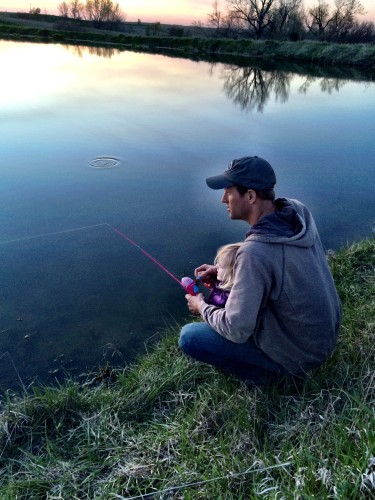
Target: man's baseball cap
point(251, 172)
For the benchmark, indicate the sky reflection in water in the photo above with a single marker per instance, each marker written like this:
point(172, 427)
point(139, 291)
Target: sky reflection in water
point(87, 296)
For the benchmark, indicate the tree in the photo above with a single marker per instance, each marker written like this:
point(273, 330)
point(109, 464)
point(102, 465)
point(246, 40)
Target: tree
point(255, 14)
point(286, 18)
point(343, 18)
point(363, 32)
point(98, 11)
point(284, 11)
point(76, 9)
point(215, 17)
point(63, 9)
point(225, 24)
point(336, 24)
point(318, 18)
point(103, 11)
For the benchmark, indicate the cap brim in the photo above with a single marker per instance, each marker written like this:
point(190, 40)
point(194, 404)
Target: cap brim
point(218, 182)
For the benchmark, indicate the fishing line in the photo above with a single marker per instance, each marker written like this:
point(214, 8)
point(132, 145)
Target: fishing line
point(146, 254)
point(55, 233)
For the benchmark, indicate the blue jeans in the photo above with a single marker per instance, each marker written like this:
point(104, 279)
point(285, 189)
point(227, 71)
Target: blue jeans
point(245, 361)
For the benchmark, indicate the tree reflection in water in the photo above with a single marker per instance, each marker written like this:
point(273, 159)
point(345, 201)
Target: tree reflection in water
point(328, 85)
point(251, 87)
point(80, 51)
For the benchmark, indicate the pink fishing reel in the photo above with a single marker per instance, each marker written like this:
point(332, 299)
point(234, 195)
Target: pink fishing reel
point(190, 286)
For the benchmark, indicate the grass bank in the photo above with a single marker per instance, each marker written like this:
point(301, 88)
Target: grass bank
point(323, 53)
point(168, 427)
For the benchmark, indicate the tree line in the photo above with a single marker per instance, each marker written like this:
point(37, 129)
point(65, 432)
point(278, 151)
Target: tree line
point(289, 19)
point(327, 20)
point(99, 12)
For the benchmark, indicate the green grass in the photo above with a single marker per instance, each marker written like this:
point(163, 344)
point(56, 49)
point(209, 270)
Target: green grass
point(170, 426)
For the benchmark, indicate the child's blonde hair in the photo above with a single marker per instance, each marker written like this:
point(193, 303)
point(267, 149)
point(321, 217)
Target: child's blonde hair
point(227, 255)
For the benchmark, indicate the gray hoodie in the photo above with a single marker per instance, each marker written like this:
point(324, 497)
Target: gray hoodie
point(283, 293)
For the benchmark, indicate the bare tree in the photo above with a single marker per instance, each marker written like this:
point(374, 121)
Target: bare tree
point(63, 9)
point(225, 24)
point(76, 9)
point(283, 11)
point(98, 11)
point(115, 15)
point(231, 25)
point(103, 11)
point(214, 18)
point(286, 17)
point(336, 24)
point(343, 18)
point(256, 14)
point(318, 18)
point(362, 32)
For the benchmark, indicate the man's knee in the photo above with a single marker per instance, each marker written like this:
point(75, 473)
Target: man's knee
point(187, 334)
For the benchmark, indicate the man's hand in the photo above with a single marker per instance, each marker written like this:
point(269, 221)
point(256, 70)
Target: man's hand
point(194, 303)
point(207, 274)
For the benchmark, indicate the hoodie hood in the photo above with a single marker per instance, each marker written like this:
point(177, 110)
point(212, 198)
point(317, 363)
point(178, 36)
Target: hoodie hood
point(291, 223)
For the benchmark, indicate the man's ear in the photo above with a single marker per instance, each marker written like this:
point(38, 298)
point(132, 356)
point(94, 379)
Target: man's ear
point(252, 196)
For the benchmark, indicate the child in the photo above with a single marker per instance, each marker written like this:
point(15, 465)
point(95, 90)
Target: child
point(224, 262)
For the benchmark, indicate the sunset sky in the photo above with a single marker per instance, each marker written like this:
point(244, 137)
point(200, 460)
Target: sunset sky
point(167, 11)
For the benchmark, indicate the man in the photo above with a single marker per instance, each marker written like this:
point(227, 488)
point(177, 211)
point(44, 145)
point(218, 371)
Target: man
point(283, 314)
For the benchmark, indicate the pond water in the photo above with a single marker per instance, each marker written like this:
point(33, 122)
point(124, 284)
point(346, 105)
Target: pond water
point(95, 139)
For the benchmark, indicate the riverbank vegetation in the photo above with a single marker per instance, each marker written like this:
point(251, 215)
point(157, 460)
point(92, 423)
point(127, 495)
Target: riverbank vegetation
point(271, 31)
point(169, 427)
point(324, 53)
point(322, 20)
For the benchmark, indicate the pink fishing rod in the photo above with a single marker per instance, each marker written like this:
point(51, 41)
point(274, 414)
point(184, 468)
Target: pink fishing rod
point(187, 283)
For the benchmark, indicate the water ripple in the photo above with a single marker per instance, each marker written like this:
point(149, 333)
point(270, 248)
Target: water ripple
point(104, 162)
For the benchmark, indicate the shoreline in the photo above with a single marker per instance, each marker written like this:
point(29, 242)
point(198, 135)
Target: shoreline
point(168, 424)
point(359, 56)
